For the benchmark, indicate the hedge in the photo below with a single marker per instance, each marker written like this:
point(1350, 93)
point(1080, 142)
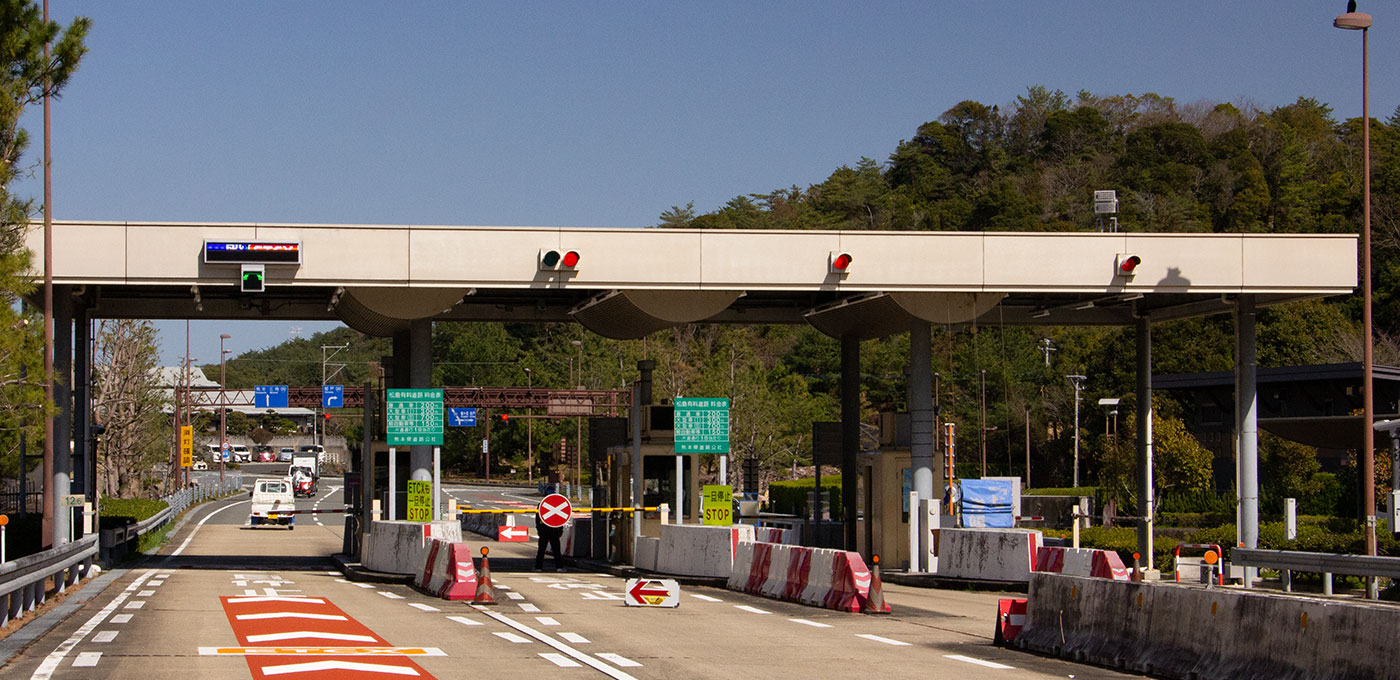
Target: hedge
point(118, 512)
point(790, 497)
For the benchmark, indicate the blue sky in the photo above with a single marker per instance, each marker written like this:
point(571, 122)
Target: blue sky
point(604, 113)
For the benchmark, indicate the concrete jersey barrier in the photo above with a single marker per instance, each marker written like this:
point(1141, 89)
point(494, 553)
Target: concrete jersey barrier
point(448, 571)
point(1081, 562)
point(399, 547)
point(834, 579)
point(988, 554)
point(698, 550)
point(1173, 631)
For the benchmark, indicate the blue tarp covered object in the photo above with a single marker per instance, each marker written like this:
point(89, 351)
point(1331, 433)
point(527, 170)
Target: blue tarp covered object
point(986, 503)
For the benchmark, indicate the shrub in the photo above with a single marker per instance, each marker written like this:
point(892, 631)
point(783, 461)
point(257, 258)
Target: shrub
point(117, 512)
point(790, 497)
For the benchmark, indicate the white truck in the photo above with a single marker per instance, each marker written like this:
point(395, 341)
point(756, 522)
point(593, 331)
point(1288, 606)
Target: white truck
point(273, 503)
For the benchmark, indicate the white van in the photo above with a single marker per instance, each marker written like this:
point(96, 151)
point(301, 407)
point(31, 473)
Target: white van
point(273, 503)
point(242, 454)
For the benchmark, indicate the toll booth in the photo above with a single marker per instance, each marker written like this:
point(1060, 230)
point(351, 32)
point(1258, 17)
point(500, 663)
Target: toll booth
point(882, 527)
point(658, 477)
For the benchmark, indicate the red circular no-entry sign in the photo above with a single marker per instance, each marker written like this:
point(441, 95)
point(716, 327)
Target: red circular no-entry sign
point(555, 510)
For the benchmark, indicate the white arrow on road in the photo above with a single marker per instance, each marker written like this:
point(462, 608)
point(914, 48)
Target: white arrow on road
point(270, 637)
point(290, 615)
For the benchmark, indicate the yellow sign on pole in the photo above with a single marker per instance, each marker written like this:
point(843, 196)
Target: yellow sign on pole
point(186, 446)
point(717, 504)
point(420, 500)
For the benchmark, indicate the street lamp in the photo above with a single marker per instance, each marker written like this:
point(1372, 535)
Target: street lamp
point(1358, 21)
point(223, 406)
point(1078, 381)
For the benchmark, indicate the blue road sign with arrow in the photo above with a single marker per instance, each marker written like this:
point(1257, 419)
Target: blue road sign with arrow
point(332, 396)
point(461, 417)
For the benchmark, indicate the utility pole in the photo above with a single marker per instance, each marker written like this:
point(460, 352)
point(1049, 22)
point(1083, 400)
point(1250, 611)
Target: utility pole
point(1046, 347)
point(324, 380)
point(1078, 381)
point(983, 389)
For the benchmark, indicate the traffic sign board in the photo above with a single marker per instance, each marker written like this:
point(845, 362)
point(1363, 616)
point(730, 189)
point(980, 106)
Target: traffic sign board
point(270, 396)
point(420, 500)
point(512, 534)
point(702, 425)
point(461, 417)
point(555, 510)
point(73, 500)
point(186, 446)
point(717, 504)
point(651, 592)
point(415, 417)
point(332, 396)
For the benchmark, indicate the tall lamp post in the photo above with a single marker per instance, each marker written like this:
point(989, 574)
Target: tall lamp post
point(1358, 21)
point(223, 407)
point(1078, 381)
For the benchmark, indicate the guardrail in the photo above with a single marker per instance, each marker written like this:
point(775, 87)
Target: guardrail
point(24, 583)
point(1327, 564)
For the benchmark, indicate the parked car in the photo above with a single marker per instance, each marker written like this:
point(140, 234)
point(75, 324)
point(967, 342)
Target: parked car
point(284, 454)
point(242, 454)
point(265, 453)
point(199, 464)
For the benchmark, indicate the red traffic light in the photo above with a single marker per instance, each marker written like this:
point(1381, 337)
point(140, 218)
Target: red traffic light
point(571, 258)
point(505, 417)
point(840, 263)
point(1127, 264)
point(555, 259)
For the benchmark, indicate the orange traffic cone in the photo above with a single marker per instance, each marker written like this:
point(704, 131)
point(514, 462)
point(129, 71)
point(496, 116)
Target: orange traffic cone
point(484, 594)
point(875, 600)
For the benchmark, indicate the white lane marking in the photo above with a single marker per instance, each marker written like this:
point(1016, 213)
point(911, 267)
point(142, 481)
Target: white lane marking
point(353, 583)
point(269, 598)
point(502, 586)
point(979, 662)
point(601, 595)
point(575, 638)
point(51, 662)
point(314, 666)
point(885, 640)
point(424, 607)
point(593, 663)
point(87, 659)
point(303, 634)
point(121, 618)
point(546, 620)
point(196, 529)
point(333, 573)
point(813, 624)
point(289, 615)
point(465, 621)
point(156, 584)
point(619, 660)
point(512, 637)
point(560, 660)
point(392, 596)
point(747, 608)
point(250, 592)
point(528, 608)
point(146, 593)
point(706, 598)
point(515, 596)
point(135, 604)
point(105, 636)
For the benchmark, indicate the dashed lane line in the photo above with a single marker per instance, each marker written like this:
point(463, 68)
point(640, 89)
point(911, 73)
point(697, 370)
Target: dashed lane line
point(528, 608)
point(754, 610)
point(979, 662)
point(105, 636)
point(706, 598)
point(586, 659)
point(121, 618)
point(619, 660)
point(392, 596)
point(885, 640)
point(51, 662)
point(546, 620)
point(512, 637)
point(515, 596)
point(575, 638)
point(87, 659)
point(424, 607)
point(813, 624)
point(465, 621)
point(560, 660)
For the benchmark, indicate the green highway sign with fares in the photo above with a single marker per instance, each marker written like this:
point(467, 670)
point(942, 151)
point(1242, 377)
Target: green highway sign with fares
point(415, 417)
point(702, 425)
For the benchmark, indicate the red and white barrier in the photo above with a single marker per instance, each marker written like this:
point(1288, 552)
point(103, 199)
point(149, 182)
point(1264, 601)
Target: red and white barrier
point(1081, 562)
point(696, 550)
point(834, 579)
point(775, 535)
point(1011, 618)
point(987, 554)
point(448, 572)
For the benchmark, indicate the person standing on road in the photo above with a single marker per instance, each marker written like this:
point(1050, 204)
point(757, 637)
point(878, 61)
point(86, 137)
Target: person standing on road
point(550, 535)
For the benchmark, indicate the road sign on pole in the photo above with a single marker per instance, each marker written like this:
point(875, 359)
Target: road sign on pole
point(270, 396)
point(420, 500)
point(717, 504)
point(186, 446)
point(702, 425)
point(652, 592)
point(332, 396)
point(555, 510)
point(415, 417)
point(461, 417)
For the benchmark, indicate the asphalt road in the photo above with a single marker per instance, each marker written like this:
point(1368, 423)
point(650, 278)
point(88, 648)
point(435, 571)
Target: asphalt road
point(220, 585)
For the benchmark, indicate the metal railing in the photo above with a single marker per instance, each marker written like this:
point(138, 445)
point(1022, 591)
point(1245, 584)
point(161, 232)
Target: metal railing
point(1327, 564)
point(24, 582)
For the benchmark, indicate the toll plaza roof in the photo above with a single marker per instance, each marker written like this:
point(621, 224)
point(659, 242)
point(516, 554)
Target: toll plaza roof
point(626, 283)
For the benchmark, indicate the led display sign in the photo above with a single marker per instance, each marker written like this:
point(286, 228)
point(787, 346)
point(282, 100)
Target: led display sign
point(240, 252)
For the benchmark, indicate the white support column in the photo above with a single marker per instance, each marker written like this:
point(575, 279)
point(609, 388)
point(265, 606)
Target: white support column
point(420, 376)
point(1247, 428)
point(393, 480)
point(921, 433)
point(437, 482)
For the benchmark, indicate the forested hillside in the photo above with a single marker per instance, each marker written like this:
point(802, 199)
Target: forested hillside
point(1032, 165)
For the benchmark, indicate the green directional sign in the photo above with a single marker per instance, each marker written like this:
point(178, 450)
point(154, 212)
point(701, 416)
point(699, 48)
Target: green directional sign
point(702, 425)
point(415, 417)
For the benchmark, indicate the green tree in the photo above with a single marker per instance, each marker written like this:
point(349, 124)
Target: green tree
point(129, 402)
point(26, 75)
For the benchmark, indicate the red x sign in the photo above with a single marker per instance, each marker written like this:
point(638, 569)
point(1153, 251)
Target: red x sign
point(555, 510)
